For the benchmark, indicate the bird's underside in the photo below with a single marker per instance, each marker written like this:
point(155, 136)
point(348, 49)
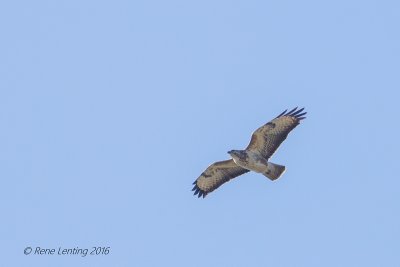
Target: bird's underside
point(264, 142)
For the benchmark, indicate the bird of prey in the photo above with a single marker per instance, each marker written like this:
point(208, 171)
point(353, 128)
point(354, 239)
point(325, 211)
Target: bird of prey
point(264, 142)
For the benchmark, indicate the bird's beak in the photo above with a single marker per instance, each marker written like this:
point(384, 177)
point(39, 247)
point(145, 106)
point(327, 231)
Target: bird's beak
point(229, 152)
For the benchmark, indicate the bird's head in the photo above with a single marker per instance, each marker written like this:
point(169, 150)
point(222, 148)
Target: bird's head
point(235, 153)
point(230, 152)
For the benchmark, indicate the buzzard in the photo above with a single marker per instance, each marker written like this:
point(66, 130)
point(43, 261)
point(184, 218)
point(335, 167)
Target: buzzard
point(264, 142)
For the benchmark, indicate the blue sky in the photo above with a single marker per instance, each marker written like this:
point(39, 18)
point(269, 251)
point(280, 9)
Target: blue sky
point(111, 109)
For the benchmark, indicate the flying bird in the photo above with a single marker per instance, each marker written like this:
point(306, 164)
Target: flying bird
point(263, 144)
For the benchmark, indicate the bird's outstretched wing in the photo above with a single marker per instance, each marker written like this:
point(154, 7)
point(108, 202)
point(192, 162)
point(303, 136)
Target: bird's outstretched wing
point(215, 175)
point(268, 137)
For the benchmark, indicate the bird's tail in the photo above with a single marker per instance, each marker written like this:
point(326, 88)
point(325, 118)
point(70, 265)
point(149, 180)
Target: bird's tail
point(274, 171)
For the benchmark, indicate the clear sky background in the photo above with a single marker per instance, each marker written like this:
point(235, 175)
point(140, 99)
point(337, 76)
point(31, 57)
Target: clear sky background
point(109, 110)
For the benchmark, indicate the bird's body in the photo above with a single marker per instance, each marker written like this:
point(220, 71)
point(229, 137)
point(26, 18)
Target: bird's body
point(249, 160)
point(264, 142)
